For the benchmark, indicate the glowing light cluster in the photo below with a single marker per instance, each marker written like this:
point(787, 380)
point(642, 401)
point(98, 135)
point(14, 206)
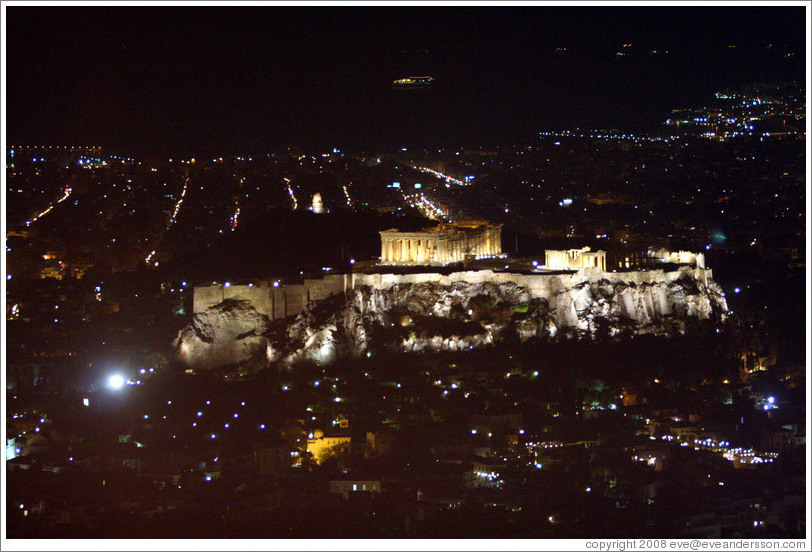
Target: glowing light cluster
point(290, 192)
point(347, 195)
point(234, 220)
point(425, 206)
point(174, 216)
point(448, 178)
point(50, 208)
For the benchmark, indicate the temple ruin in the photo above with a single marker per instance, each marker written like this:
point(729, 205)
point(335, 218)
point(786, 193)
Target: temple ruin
point(442, 244)
point(574, 259)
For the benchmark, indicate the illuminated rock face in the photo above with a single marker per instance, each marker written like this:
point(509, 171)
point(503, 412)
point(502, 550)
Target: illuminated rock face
point(462, 315)
point(228, 333)
point(454, 312)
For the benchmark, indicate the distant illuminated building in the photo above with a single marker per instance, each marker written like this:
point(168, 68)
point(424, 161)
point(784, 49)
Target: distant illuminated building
point(318, 205)
point(413, 82)
point(575, 259)
point(442, 244)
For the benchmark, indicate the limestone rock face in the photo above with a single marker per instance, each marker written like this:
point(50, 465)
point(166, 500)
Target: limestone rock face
point(466, 315)
point(228, 333)
point(453, 316)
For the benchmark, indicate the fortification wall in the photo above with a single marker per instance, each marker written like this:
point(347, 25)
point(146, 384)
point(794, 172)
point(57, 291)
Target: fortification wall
point(273, 301)
point(539, 285)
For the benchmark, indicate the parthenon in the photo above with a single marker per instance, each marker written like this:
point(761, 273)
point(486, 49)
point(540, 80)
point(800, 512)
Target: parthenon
point(442, 244)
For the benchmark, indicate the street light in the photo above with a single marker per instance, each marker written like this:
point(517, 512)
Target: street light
point(116, 381)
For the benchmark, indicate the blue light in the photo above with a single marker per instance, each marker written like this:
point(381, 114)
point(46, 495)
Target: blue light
point(771, 400)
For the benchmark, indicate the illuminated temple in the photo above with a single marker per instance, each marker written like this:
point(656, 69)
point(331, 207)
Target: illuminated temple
point(442, 244)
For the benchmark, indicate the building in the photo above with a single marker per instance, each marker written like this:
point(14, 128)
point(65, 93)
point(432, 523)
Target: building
point(442, 244)
point(677, 257)
point(321, 445)
point(346, 486)
point(574, 259)
point(318, 204)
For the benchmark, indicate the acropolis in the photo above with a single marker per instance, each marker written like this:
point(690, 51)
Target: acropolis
point(442, 244)
point(437, 249)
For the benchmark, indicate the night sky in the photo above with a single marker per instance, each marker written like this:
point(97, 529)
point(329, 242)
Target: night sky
point(178, 80)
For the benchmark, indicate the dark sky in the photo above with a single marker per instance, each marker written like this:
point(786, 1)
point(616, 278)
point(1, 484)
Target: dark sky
point(251, 79)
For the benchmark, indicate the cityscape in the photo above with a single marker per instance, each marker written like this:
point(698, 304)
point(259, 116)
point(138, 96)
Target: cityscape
point(310, 272)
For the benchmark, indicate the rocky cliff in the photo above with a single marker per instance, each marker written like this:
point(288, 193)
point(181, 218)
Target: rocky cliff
point(232, 332)
point(456, 314)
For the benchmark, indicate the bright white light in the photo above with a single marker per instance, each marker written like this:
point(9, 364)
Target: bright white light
point(771, 400)
point(116, 381)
